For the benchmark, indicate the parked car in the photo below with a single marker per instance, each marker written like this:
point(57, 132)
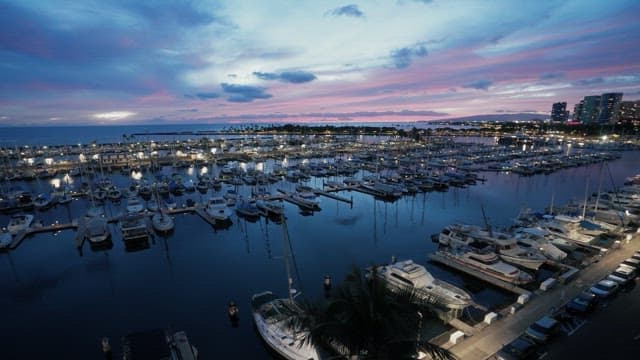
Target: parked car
point(623, 275)
point(582, 304)
point(632, 263)
point(605, 288)
point(543, 330)
point(636, 255)
point(519, 349)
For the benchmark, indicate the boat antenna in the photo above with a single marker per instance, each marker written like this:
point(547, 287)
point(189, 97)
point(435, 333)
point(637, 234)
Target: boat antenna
point(486, 221)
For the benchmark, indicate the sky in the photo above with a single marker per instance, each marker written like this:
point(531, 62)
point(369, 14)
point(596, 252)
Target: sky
point(69, 62)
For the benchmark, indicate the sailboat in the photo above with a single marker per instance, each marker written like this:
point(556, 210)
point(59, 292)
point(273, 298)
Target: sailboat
point(161, 222)
point(273, 317)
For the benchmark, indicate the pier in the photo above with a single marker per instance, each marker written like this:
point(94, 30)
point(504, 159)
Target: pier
point(497, 282)
point(333, 196)
point(21, 235)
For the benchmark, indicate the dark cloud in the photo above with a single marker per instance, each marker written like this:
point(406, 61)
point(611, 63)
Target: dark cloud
point(591, 81)
point(266, 76)
point(549, 76)
point(207, 95)
point(347, 10)
point(244, 93)
point(294, 77)
point(402, 57)
point(478, 85)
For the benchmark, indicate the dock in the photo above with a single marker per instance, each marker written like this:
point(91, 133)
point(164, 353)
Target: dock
point(333, 196)
point(497, 282)
point(21, 235)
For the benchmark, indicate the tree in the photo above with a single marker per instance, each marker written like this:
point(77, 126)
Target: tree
point(363, 320)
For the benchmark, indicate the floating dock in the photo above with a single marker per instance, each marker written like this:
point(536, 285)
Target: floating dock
point(497, 282)
point(301, 204)
point(333, 196)
point(21, 235)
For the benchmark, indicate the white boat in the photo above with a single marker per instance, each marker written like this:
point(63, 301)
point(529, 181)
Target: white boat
point(134, 205)
point(97, 230)
point(5, 239)
point(217, 208)
point(42, 201)
point(272, 316)
point(310, 203)
point(486, 261)
point(539, 238)
point(162, 222)
point(460, 235)
point(407, 275)
point(19, 223)
point(276, 319)
point(152, 205)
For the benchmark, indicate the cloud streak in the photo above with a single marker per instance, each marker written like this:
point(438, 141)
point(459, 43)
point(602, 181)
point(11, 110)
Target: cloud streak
point(294, 77)
point(351, 10)
point(244, 93)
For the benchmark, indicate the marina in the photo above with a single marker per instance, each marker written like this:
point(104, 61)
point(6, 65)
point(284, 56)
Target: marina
point(231, 223)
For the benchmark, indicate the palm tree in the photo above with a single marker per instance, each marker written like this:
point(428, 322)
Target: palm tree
point(363, 320)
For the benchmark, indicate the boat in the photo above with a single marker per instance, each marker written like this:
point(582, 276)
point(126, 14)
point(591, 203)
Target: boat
point(134, 205)
point(275, 319)
point(5, 239)
point(482, 258)
point(407, 275)
point(540, 239)
point(158, 345)
point(162, 222)
point(305, 202)
point(270, 208)
point(134, 228)
point(97, 231)
point(460, 235)
point(247, 210)
point(152, 205)
point(18, 223)
point(114, 193)
point(42, 202)
point(217, 208)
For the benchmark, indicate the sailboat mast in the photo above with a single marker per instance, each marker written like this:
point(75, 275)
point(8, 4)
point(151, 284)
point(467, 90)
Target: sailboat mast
point(287, 255)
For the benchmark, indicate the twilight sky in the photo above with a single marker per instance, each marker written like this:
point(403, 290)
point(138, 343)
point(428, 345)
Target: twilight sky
point(154, 61)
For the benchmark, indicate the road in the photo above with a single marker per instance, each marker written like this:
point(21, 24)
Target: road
point(611, 332)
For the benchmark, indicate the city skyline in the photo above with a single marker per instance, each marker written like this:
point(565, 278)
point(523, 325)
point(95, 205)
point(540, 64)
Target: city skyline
point(140, 62)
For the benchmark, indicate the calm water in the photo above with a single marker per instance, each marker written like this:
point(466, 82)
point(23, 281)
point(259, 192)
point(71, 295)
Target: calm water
point(58, 303)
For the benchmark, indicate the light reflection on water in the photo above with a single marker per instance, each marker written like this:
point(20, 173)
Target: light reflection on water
point(187, 278)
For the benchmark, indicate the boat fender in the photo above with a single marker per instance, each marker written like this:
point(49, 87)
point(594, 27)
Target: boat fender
point(327, 282)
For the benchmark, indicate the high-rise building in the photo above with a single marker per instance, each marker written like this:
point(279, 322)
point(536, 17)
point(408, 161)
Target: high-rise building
point(627, 112)
point(559, 112)
point(577, 111)
point(590, 109)
point(608, 103)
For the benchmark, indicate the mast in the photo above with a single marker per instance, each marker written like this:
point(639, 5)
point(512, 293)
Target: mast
point(486, 221)
point(586, 194)
point(287, 254)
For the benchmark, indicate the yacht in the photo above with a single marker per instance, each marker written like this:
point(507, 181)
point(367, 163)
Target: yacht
point(540, 239)
point(19, 223)
point(273, 317)
point(133, 227)
point(134, 205)
point(460, 235)
point(162, 222)
point(247, 210)
point(97, 230)
point(217, 208)
point(270, 207)
point(482, 258)
point(407, 275)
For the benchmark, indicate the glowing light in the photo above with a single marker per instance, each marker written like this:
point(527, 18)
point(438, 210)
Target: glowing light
point(136, 175)
point(204, 170)
point(55, 183)
point(190, 171)
point(114, 115)
point(48, 161)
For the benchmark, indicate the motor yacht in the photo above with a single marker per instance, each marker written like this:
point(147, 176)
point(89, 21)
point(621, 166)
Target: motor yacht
point(407, 275)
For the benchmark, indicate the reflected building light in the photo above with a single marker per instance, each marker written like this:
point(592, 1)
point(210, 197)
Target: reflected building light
point(136, 175)
point(55, 183)
point(204, 170)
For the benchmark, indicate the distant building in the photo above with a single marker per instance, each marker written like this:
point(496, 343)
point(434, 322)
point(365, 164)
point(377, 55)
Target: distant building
point(590, 109)
point(627, 112)
point(608, 103)
point(559, 112)
point(577, 111)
